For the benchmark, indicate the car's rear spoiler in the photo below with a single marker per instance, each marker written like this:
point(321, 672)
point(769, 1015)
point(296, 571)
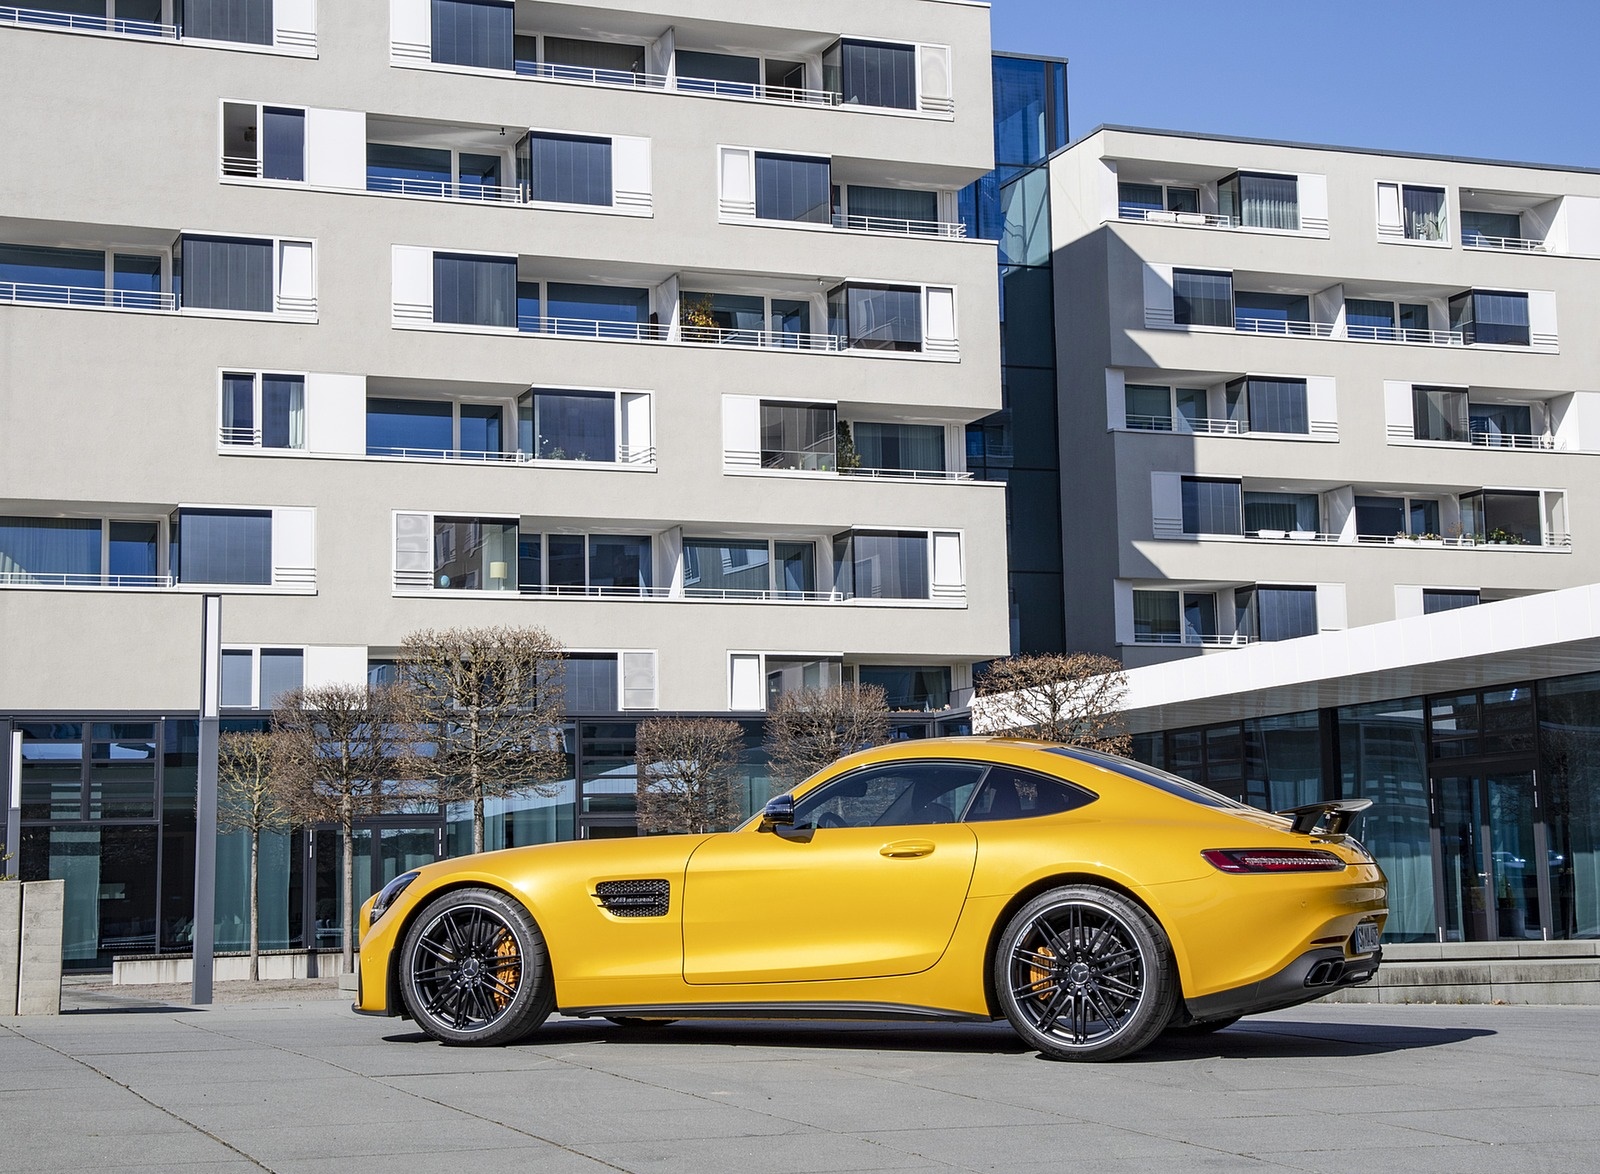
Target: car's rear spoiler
point(1339, 813)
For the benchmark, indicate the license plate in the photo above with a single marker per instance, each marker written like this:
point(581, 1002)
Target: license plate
point(1365, 939)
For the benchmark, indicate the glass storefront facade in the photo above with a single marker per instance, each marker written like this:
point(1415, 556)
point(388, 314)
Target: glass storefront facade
point(1486, 803)
point(108, 806)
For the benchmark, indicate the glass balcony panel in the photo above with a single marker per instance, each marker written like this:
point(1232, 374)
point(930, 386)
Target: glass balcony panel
point(402, 427)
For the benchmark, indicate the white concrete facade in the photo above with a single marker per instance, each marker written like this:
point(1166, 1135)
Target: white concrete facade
point(1315, 388)
point(127, 408)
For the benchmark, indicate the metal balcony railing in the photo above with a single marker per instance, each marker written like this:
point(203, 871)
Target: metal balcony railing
point(1504, 244)
point(441, 189)
point(1527, 441)
point(29, 293)
point(87, 24)
point(907, 474)
point(1164, 216)
point(763, 595)
point(1194, 639)
point(241, 166)
point(779, 340)
point(52, 579)
point(459, 456)
point(789, 95)
point(594, 77)
point(593, 328)
point(896, 227)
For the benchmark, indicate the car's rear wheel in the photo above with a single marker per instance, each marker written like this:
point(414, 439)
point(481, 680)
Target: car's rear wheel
point(474, 969)
point(1084, 973)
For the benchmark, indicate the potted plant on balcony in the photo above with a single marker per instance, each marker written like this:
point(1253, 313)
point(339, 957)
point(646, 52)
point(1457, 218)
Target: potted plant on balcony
point(1272, 533)
point(1501, 537)
point(697, 322)
point(1302, 535)
point(848, 457)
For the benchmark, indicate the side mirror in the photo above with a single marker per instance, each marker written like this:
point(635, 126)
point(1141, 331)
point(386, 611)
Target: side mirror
point(779, 812)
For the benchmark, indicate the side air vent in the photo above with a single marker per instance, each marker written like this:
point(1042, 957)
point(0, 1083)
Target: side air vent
point(633, 898)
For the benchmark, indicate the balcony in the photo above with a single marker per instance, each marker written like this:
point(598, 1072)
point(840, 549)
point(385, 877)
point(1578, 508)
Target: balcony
point(548, 43)
point(90, 580)
point(1192, 196)
point(287, 27)
point(33, 294)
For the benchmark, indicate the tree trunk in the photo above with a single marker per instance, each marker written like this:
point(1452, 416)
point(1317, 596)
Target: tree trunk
point(347, 834)
point(255, 904)
point(477, 822)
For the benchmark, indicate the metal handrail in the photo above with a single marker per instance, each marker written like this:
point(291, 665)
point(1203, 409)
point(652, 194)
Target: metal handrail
point(1202, 639)
point(1532, 441)
point(1506, 244)
point(52, 579)
point(1359, 333)
point(93, 24)
point(468, 456)
point(908, 474)
point(245, 167)
point(593, 328)
point(443, 189)
point(726, 89)
point(1143, 423)
point(1280, 326)
point(239, 437)
point(587, 592)
point(550, 71)
point(83, 295)
point(801, 460)
point(1210, 425)
point(1167, 216)
point(897, 227)
point(781, 340)
point(763, 595)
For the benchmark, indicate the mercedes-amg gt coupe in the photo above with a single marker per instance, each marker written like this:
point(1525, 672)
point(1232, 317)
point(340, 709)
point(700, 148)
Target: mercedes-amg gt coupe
point(1091, 901)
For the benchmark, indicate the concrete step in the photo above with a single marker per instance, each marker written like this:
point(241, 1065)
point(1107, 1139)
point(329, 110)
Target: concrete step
point(1565, 973)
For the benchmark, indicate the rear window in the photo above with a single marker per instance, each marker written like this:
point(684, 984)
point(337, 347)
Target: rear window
point(1009, 793)
point(1150, 776)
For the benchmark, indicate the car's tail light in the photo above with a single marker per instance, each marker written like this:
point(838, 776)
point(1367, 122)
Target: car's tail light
point(1272, 860)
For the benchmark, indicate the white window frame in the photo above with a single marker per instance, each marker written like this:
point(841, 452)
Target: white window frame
point(257, 374)
point(622, 458)
point(1399, 235)
point(255, 651)
point(307, 312)
point(583, 592)
point(261, 142)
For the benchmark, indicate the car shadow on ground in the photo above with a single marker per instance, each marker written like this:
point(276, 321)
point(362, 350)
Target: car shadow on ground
point(1268, 1039)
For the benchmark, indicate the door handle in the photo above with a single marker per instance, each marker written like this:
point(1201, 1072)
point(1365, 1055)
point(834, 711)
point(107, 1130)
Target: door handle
point(904, 849)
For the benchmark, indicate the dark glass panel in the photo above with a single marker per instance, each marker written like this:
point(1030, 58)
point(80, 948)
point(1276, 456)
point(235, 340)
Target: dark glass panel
point(477, 291)
point(283, 144)
point(472, 32)
point(570, 169)
point(396, 427)
point(227, 273)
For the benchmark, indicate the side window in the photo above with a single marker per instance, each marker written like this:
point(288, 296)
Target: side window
point(1009, 793)
point(901, 794)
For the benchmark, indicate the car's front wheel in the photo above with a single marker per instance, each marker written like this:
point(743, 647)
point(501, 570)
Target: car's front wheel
point(474, 969)
point(1084, 973)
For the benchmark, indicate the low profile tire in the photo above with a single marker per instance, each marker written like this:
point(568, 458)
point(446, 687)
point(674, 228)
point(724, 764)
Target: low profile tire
point(474, 969)
point(635, 1024)
point(1084, 973)
point(1201, 1027)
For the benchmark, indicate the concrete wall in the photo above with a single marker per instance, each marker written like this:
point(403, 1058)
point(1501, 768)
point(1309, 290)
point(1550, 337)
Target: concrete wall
point(39, 972)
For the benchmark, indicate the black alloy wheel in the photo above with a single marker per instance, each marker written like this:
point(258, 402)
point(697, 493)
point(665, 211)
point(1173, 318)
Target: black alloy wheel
point(1084, 973)
point(474, 969)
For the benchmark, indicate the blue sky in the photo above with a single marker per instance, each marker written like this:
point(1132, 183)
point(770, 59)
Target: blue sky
point(1511, 79)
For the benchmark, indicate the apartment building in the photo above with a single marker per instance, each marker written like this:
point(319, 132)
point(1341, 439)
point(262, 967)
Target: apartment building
point(1330, 433)
point(652, 323)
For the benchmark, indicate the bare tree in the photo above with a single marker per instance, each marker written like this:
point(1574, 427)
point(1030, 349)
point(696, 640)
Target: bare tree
point(1074, 698)
point(809, 728)
point(335, 749)
point(249, 800)
point(489, 702)
point(688, 774)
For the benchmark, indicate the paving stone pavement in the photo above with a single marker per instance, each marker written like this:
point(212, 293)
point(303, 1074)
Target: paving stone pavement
point(301, 1084)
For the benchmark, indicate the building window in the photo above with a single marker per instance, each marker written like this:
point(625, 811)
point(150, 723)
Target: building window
point(474, 554)
point(569, 169)
point(1491, 318)
point(415, 171)
point(794, 188)
point(49, 274)
point(1136, 200)
point(475, 291)
point(1281, 513)
point(881, 564)
point(871, 73)
point(568, 425)
point(603, 61)
point(1202, 298)
point(245, 21)
point(1276, 613)
point(1211, 506)
point(584, 564)
point(890, 209)
point(589, 682)
point(1155, 617)
point(434, 428)
point(712, 73)
point(1502, 516)
point(1383, 321)
point(799, 436)
point(49, 550)
point(900, 447)
point(226, 273)
point(1269, 313)
point(1441, 600)
point(472, 32)
point(1256, 200)
point(1501, 425)
point(283, 144)
point(1261, 404)
point(223, 546)
point(589, 311)
point(265, 410)
point(256, 678)
point(1148, 408)
point(909, 686)
point(718, 567)
point(879, 318)
point(1380, 517)
point(1439, 413)
point(1414, 213)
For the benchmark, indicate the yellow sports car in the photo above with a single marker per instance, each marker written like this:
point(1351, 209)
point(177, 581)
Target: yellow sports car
point(1092, 901)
